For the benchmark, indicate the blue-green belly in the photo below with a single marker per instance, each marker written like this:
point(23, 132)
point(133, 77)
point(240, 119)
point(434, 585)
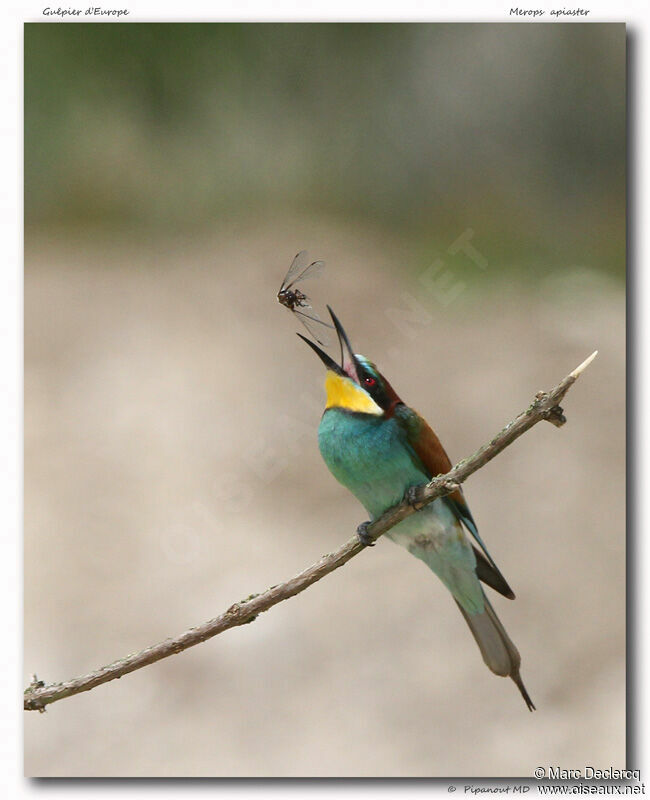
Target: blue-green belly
point(370, 457)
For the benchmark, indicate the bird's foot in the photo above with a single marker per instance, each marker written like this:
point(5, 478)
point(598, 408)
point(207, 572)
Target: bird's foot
point(363, 535)
point(412, 496)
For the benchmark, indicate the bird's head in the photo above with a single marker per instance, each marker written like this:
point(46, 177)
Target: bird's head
point(356, 385)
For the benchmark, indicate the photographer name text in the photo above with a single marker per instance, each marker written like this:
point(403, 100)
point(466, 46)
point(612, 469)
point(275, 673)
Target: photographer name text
point(587, 774)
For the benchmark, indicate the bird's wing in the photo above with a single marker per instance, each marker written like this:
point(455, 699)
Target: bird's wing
point(431, 455)
point(491, 576)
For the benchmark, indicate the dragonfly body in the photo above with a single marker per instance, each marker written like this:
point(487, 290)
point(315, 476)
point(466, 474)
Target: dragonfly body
point(293, 298)
point(297, 301)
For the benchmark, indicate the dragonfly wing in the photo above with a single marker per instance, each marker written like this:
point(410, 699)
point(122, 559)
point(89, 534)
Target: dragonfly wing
point(297, 265)
point(314, 326)
point(310, 271)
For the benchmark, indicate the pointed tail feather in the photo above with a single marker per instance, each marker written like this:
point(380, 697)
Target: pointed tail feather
point(497, 649)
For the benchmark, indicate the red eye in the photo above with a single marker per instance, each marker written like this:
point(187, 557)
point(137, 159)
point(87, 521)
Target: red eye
point(369, 381)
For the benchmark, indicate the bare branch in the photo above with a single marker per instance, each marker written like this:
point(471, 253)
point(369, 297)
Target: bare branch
point(545, 407)
point(577, 372)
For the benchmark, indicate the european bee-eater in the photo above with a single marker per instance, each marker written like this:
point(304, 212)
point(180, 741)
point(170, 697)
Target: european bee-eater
point(379, 448)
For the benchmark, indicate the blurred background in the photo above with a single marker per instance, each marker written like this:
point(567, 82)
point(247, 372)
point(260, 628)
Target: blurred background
point(465, 185)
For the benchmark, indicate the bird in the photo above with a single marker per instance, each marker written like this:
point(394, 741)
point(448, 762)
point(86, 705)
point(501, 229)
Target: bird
point(379, 448)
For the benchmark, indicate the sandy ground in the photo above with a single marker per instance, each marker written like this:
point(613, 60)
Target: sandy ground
point(171, 468)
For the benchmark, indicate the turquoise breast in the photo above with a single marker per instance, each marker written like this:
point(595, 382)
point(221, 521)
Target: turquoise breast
point(369, 456)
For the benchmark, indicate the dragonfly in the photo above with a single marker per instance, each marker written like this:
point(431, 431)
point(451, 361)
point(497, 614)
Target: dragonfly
point(297, 301)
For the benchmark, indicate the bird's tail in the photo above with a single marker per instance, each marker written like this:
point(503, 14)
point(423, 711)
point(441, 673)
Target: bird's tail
point(497, 649)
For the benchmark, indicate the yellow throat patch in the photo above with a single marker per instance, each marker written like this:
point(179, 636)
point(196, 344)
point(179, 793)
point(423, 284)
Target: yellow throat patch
point(344, 393)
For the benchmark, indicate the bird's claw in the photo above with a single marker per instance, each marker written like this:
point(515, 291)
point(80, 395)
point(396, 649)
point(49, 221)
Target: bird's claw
point(412, 497)
point(364, 537)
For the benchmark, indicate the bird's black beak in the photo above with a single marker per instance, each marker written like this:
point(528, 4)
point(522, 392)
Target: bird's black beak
point(329, 362)
point(348, 366)
point(348, 359)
